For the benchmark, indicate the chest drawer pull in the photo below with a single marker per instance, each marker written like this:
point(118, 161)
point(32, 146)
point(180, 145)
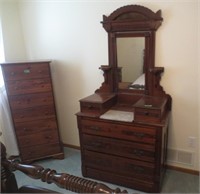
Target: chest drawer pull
point(95, 128)
point(27, 71)
point(96, 144)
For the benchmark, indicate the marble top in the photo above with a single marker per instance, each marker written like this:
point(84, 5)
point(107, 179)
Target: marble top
point(118, 115)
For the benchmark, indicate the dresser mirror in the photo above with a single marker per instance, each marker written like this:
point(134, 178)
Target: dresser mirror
point(130, 59)
point(131, 42)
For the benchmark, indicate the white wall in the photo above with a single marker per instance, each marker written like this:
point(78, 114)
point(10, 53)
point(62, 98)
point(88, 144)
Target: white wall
point(12, 31)
point(70, 33)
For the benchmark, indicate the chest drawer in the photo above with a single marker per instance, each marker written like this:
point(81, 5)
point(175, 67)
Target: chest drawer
point(38, 151)
point(25, 71)
point(45, 137)
point(28, 86)
point(121, 148)
point(125, 132)
point(31, 100)
point(120, 166)
point(32, 114)
point(31, 127)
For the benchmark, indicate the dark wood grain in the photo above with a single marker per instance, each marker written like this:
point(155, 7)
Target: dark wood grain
point(62, 180)
point(31, 99)
point(131, 154)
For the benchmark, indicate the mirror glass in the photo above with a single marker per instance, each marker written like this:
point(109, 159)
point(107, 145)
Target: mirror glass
point(130, 62)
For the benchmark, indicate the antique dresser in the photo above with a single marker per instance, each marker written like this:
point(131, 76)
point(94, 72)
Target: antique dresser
point(31, 99)
point(123, 126)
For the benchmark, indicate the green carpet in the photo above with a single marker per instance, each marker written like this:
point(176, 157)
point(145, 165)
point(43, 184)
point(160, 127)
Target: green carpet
point(174, 181)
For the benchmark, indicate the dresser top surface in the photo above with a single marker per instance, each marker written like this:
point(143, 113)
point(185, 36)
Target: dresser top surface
point(151, 102)
point(24, 62)
point(98, 97)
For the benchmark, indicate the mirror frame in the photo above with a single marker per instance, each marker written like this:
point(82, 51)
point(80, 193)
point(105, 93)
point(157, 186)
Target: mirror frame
point(129, 21)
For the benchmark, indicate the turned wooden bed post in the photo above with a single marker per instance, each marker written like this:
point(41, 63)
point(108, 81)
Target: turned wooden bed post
point(62, 180)
point(8, 181)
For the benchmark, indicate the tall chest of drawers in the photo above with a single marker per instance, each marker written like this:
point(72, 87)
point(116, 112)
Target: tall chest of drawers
point(30, 94)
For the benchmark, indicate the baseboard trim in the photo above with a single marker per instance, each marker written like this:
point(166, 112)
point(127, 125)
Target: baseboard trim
point(189, 171)
point(71, 146)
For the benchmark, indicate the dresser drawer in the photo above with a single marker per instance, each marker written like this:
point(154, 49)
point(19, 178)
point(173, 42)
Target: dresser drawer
point(91, 108)
point(117, 147)
point(45, 137)
point(32, 114)
point(28, 86)
point(135, 183)
point(31, 127)
point(25, 71)
point(125, 132)
point(31, 100)
point(149, 115)
point(40, 151)
point(119, 165)
point(97, 103)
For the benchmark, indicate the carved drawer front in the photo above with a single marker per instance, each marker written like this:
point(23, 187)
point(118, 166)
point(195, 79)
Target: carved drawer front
point(90, 107)
point(25, 71)
point(116, 147)
point(45, 137)
point(32, 127)
point(31, 100)
point(97, 103)
point(32, 114)
point(150, 115)
point(119, 165)
point(38, 151)
point(125, 132)
point(28, 86)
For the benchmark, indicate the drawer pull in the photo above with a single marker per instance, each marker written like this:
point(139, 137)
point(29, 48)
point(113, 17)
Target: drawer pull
point(96, 144)
point(137, 169)
point(90, 106)
point(95, 128)
point(140, 135)
point(138, 152)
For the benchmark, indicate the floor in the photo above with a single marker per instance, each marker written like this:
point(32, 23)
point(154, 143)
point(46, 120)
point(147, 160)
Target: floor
point(174, 182)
